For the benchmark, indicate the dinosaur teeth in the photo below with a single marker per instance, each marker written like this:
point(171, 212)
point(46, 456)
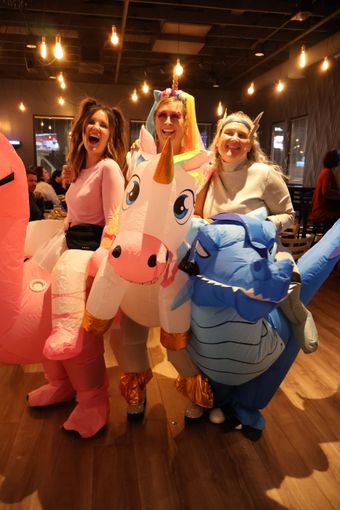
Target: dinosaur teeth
point(248, 292)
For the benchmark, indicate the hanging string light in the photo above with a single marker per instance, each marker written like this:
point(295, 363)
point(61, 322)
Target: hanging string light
point(302, 59)
point(178, 69)
point(58, 50)
point(134, 96)
point(251, 89)
point(61, 77)
point(280, 86)
point(61, 101)
point(22, 107)
point(325, 64)
point(220, 109)
point(43, 48)
point(145, 87)
point(114, 36)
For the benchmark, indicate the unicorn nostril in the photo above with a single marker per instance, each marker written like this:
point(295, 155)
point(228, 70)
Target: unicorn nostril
point(152, 261)
point(116, 252)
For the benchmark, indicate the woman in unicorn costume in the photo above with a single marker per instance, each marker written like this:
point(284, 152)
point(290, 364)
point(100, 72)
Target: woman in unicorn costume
point(172, 117)
point(74, 365)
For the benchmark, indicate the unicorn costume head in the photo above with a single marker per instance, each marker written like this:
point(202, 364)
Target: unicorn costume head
point(191, 139)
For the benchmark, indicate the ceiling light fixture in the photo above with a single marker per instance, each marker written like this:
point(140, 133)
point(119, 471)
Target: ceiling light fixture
point(325, 64)
point(43, 48)
point(302, 59)
point(251, 89)
point(114, 36)
point(178, 69)
point(22, 107)
point(145, 87)
point(280, 86)
point(58, 50)
point(259, 54)
point(134, 96)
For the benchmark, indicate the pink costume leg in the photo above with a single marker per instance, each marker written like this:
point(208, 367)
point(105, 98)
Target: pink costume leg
point(87, 373)
point(129, 346)
point(58, 389)
point(68, 304)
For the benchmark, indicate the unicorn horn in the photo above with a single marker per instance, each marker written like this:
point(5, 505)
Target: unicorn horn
point(225, 115)
point(256, 123)
point(164, 172)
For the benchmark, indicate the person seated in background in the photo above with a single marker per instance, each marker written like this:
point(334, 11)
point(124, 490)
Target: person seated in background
point(326, 197)
point(46, 190)
point(36, 201)
point(56, 183)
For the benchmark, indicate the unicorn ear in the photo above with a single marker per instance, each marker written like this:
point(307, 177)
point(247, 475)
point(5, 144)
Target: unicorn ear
point(156, 94)
point(147, 143)
point(256, 123)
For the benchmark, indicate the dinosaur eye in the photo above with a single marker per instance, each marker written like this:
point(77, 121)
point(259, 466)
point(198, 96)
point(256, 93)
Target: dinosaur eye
point(132, 190)
point(201, 251)
point(184, 206)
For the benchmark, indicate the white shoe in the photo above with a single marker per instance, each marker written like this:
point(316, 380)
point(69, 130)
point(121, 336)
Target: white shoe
point(216, 416)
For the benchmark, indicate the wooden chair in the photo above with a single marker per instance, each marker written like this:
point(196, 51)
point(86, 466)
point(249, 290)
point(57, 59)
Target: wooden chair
point(297, 245)
point(292, 231)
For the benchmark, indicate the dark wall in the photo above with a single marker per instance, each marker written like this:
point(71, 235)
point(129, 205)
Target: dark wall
point(318, 96)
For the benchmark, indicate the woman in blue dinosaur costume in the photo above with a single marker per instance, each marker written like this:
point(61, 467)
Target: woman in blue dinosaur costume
point(240, 340)
point(244, 180)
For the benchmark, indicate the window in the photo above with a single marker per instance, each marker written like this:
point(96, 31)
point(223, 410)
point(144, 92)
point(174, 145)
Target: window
point(205, 131)
point(135, 127)
point(278, 153)
point(297, 150)
point(51, 137)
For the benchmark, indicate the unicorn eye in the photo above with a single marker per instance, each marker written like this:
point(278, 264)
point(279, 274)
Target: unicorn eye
point(184, 206)
point(132, 190)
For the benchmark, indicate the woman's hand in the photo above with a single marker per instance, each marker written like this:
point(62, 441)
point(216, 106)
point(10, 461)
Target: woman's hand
point(66, 176)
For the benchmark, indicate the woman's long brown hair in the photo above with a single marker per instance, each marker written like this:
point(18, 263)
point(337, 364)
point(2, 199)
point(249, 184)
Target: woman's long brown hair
point(116, 146)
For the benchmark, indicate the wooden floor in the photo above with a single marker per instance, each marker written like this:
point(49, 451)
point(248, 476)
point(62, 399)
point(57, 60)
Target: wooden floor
point(161, 464)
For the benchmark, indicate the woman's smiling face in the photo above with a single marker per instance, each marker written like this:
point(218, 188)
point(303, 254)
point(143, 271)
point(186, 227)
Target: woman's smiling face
point(170, 123)
point(96, 134)
point(234, 142)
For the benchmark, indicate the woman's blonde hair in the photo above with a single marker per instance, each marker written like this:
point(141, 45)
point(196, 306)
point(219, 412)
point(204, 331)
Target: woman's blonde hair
point(255, 155)
point(116, 146)
point(191, 138)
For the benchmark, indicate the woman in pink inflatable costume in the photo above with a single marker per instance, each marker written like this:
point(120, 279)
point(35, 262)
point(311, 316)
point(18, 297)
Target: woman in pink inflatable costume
point(173, 117)
point(75, 364)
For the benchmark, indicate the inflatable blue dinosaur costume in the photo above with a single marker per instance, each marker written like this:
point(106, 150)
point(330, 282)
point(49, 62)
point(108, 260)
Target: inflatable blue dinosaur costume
point(240, 340)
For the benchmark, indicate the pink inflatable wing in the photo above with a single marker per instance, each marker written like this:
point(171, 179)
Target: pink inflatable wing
point(14, 214)
point(24, 288)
